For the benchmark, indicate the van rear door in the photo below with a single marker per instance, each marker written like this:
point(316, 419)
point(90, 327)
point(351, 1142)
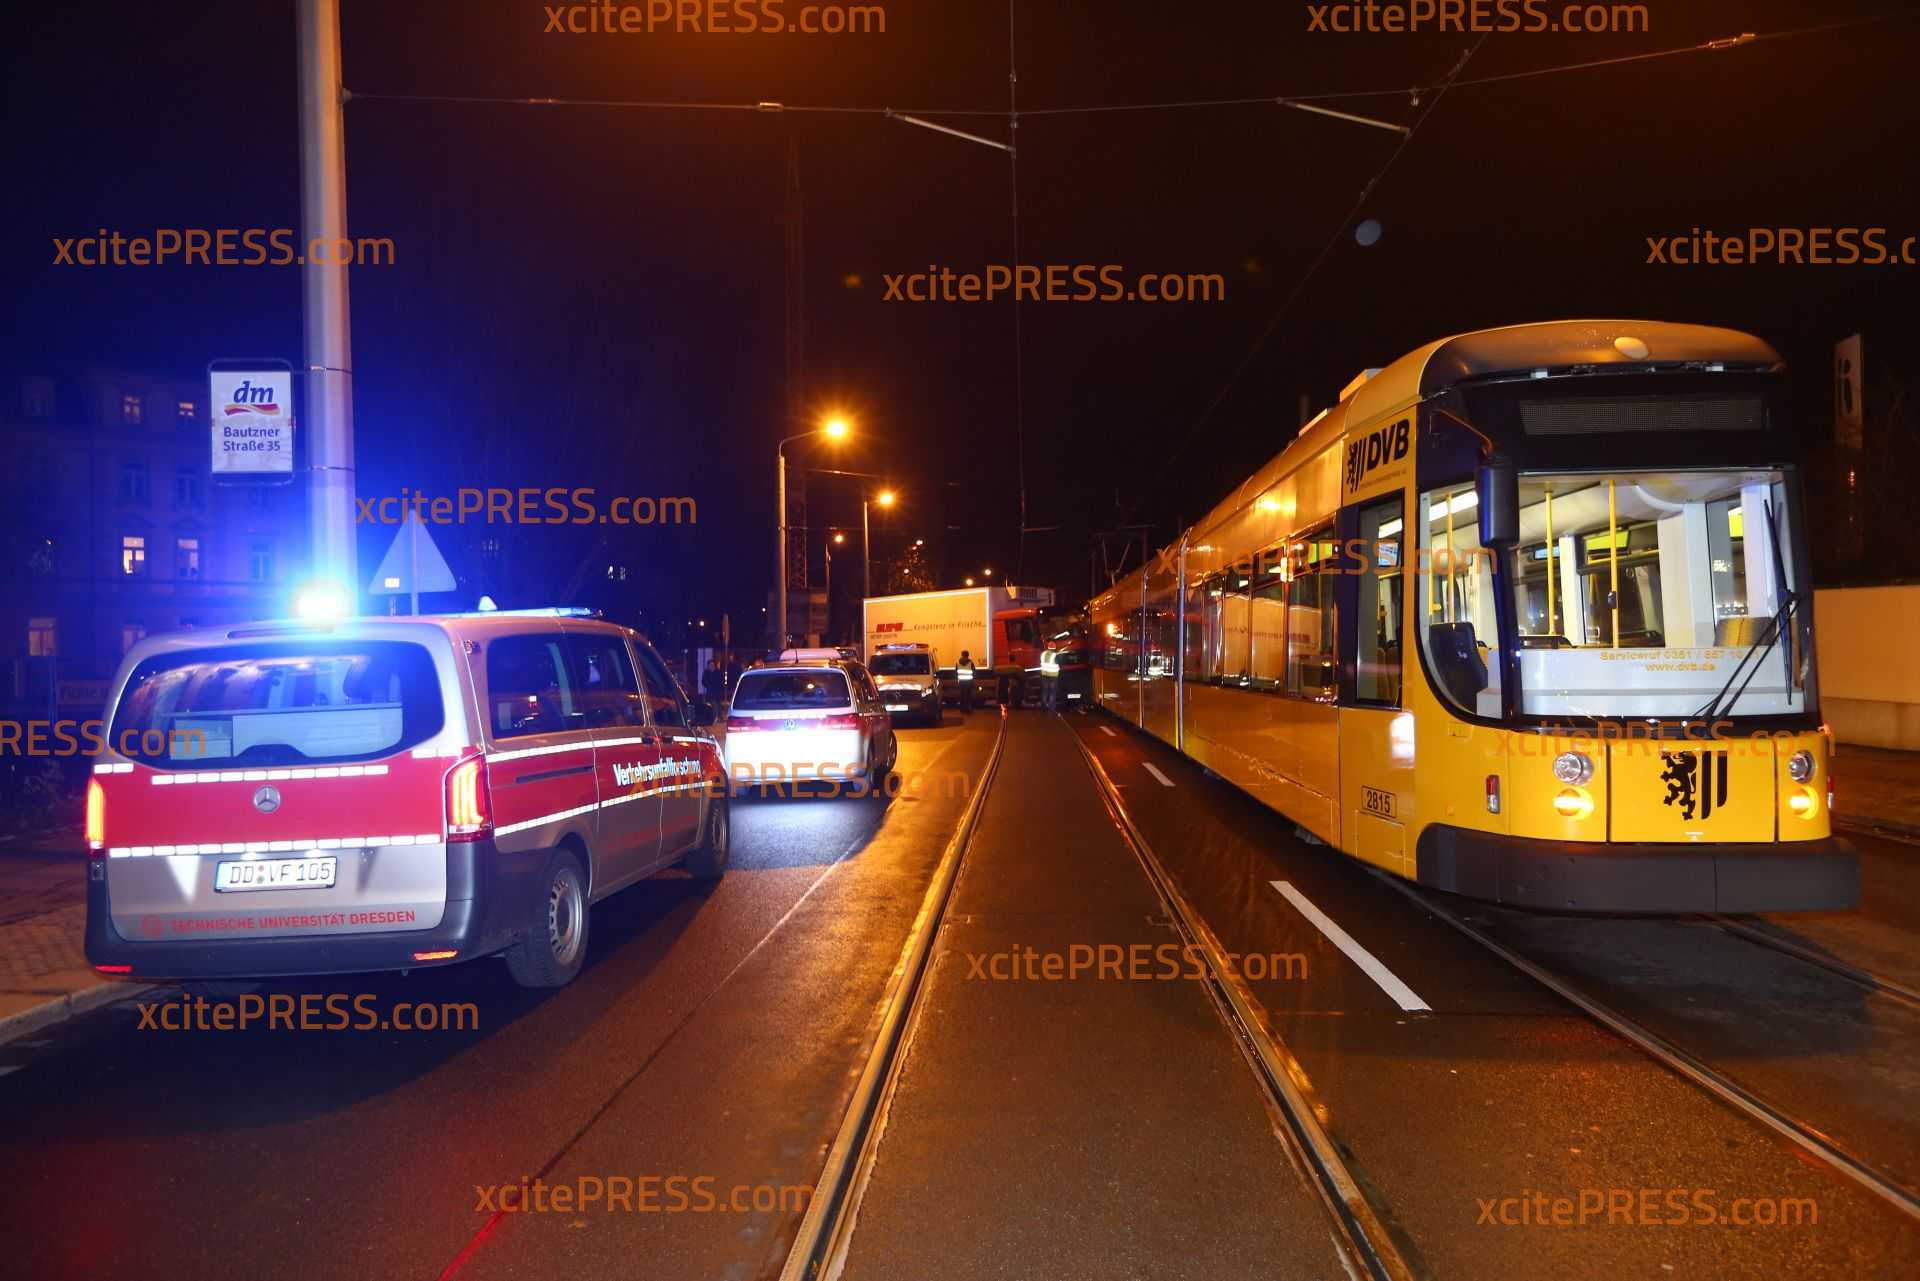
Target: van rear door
point(269, 786)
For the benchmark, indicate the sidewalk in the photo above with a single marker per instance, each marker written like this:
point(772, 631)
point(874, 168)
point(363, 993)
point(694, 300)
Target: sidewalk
point(1877, 790)
point(44, 975)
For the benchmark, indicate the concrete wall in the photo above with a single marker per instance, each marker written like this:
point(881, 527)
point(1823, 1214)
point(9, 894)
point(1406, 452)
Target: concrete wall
point(1869, 644)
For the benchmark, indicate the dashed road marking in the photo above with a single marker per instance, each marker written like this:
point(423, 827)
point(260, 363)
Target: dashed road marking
point(1164, 780)
point(1367, 961)
point(1108, 731)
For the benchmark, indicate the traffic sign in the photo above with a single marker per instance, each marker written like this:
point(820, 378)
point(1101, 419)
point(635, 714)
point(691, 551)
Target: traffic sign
point(413, 564)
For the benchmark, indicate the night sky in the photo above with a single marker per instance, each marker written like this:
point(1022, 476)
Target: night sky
point(590, 295)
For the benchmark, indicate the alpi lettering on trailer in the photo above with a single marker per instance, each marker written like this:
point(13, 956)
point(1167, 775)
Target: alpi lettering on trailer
point(1367, 454)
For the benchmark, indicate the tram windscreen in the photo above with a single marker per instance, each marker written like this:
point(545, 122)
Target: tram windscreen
point(1655, 594)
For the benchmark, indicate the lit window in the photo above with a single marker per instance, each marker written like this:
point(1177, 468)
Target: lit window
point(133, 554)
point(187, 412)
point(260, 560)
point(133, 410)
point(186, 558)
point(42, 638)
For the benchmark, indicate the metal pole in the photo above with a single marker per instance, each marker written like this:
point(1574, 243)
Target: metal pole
point(329, 351)
point(780, 553)
point(866, 550)
point(828, 639)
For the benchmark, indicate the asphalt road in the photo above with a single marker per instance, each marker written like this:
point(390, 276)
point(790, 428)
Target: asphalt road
point(1041, 1129)
point(713, 1036)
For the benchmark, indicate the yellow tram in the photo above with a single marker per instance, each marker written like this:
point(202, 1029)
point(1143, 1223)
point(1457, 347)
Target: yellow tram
point(1525, 616)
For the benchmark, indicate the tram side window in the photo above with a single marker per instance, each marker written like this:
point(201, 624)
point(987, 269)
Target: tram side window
point(1118, 650)
point(1268, 611)
point(1193, 612)
point(1312, 668)
point(1455, 582)
point(1226, 627)
point(1377, 620)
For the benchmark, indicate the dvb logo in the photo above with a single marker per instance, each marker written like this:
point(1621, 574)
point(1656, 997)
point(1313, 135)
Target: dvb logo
point(1364, 454)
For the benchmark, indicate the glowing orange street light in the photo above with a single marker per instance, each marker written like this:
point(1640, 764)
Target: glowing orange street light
point(885, 498)
point(835, 428)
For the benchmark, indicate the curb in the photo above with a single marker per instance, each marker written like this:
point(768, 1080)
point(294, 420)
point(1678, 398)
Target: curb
point(68, 1006)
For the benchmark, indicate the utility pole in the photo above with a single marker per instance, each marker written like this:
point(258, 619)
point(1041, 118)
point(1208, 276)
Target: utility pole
point(329, 350)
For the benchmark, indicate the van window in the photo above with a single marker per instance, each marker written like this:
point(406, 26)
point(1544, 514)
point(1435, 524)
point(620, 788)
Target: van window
point(608, 694)
point(789, 690)
point(664, 695)
point(531, 686)
point(909, 664)
point(278, 703)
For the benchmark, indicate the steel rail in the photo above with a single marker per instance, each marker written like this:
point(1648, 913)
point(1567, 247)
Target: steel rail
point(820, 1247)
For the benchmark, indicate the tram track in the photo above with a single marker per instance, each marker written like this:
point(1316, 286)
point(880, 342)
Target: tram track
point(1807, 1136)
point(1800, 952)
point(1369, 1244)
point(820, 1246)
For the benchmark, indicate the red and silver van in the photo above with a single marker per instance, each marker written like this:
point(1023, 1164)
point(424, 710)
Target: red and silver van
point(390, 793)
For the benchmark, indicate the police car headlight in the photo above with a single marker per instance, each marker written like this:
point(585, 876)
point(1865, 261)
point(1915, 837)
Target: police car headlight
point(1573, 768)
point(1800, 766)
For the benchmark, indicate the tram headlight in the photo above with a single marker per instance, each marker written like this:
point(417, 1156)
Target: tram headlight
point(1575, 768)
point(1573, 802)
point(1800, 766)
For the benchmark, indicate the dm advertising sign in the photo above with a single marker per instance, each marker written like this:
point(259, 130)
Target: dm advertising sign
point(252, 421)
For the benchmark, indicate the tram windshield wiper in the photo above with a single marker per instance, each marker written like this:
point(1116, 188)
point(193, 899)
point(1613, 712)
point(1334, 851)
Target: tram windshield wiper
point(1722, 703)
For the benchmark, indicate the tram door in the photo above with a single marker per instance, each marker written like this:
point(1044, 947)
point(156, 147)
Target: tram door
point(1376, 732)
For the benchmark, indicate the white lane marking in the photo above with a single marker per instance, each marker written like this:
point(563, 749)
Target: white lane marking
point(1388, 981)
point(1108, 731)
point(1164, 780)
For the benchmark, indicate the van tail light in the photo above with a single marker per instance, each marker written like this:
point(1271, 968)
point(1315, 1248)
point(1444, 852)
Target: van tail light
point(469, 802)
point(737, 724)
point(96, 819)
point(846, 720)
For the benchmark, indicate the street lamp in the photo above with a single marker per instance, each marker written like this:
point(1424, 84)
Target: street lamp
point(969, 582)
point(835, 428)
point(885, 499)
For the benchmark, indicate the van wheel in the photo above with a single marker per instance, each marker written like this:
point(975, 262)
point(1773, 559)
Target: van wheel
point(556, 942)
point(709, 859)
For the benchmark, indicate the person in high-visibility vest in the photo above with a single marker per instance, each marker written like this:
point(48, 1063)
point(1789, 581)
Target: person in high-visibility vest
point(963, 672)
point(1050, 678)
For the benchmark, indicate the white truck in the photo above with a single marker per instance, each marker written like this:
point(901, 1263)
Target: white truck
point(999, 627)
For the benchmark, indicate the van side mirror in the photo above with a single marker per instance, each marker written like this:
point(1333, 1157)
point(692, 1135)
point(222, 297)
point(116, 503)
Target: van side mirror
point(703, 713)
point(1497, 487)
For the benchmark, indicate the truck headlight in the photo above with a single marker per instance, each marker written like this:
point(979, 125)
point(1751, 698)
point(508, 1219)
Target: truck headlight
point(1573, 768)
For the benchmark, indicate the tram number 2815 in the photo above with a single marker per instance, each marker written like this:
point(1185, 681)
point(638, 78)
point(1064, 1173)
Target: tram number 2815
point(1377, 801)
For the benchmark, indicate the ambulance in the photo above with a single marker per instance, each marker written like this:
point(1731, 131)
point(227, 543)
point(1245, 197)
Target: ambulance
point(390, 794)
